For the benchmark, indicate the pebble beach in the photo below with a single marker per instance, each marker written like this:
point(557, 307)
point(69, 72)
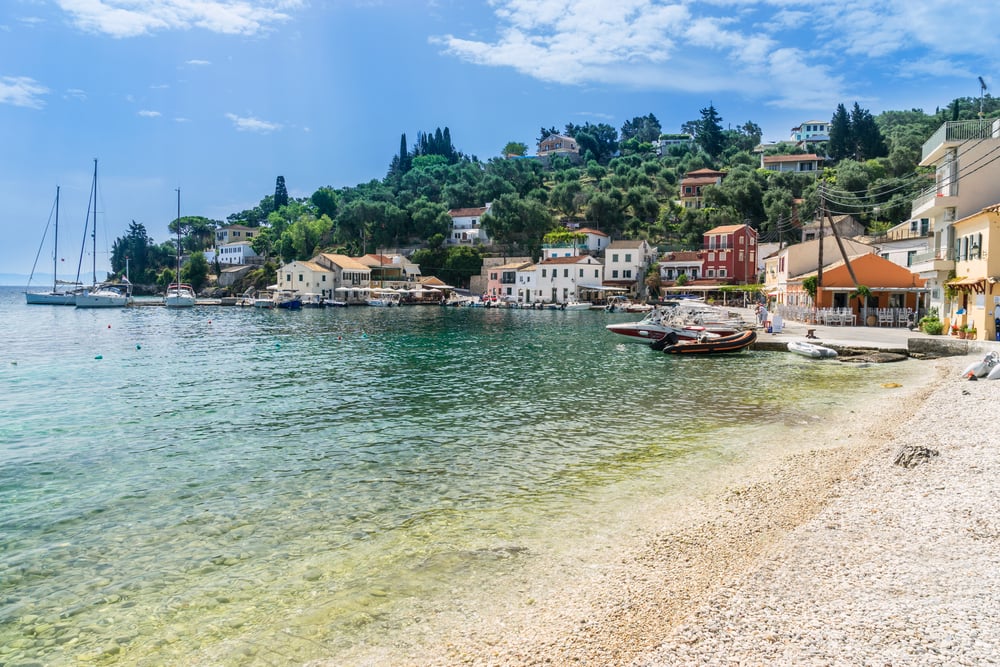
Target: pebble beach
point(829, 556)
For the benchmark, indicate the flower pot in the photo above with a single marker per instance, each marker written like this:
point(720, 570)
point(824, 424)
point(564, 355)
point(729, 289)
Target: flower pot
point(961, 335)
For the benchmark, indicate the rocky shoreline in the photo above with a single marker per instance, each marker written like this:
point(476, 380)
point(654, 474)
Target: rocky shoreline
point(828, 556)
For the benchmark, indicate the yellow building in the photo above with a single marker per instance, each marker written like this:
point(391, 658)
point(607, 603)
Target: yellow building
point(975, 290)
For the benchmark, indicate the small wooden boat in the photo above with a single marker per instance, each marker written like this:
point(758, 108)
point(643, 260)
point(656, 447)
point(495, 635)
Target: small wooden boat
point(737, 342)
point(811, 350)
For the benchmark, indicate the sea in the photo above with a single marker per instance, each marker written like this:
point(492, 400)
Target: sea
point(239, 486)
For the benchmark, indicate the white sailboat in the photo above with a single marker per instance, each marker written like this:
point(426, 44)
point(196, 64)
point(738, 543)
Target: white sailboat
point(103, 295)
point(179, 295)
point(55, 296)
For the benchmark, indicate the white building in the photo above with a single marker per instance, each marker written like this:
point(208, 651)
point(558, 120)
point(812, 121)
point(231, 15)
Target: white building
point(306, 278)
point(351, 278)
point(562, 279)
point(811, 131)
point(626, 263)
point(963, 154)
point(527, 284)
point(231, 254)
point(466, 225)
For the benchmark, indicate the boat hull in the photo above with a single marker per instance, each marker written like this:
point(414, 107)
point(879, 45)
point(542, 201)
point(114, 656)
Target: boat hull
point(179, 297)
point(810, 350)
point(721, 345)
point(50, 298)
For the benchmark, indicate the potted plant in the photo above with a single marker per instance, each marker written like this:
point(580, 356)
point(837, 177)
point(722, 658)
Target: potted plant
point(954, 330)
point(971, 333)
point(962, 332)
point(931, 324)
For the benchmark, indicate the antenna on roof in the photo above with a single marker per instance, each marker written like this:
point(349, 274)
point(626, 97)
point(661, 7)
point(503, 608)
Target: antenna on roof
point(982, 90)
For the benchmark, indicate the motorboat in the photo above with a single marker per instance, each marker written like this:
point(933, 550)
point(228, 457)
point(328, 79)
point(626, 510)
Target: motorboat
point(685, 323)
point(264, 300)
point(383, 298)
point(288, 300)
point(179, 295)
point(811, 350)
point(577, 305)
point(313, 300)
point(737, 342)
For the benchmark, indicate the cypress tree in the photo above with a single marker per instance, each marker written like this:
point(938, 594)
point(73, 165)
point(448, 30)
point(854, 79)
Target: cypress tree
point(840, 145)
point(280, 193)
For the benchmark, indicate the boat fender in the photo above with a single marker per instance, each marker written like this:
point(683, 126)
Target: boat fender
point(994, 373)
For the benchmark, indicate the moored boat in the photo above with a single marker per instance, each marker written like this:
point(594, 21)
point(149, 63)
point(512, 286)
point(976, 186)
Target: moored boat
point(179, 295)
point(811, 350)
point(737, 342)
point(662, 321)
point(109, 295)
point(55, 296)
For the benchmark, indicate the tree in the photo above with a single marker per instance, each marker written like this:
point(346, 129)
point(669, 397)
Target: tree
point(867, 137)
point(135, 246)
point(518, 222)
point(195, 271)
point(643, 128)
point(514, 148)
point(709, 131)
point(840, 144)
point(280, 193)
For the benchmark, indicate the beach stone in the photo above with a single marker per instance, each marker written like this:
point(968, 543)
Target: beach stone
point(910, 456)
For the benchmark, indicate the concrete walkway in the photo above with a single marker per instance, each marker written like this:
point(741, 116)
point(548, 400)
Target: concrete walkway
point(885, 339)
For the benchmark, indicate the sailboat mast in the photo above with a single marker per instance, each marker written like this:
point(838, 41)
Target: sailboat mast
point(55, 248)
point(178, 223)
point(93, 232)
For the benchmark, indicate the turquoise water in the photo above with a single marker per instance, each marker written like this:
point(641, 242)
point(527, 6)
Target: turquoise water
point(241, 486)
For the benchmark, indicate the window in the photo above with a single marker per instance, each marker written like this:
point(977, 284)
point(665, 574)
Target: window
point(288, 277)
point(628, 257)
point(581, 272)
point(910, 254)
point(614, 258)
point(722, 273)
point(300, 277)
point(710, 273)
point(543, 273)
point(627, 273)
point(597, 273)
point(565, 273)
point(614, 273)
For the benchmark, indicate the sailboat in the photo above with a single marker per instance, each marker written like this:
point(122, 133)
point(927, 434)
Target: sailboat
point(55, 296)
point(104, 295)
point(179, 295)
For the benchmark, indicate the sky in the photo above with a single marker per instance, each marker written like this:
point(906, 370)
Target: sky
point(217, 98)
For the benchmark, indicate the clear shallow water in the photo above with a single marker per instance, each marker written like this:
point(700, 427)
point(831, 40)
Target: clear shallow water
point(240, 486)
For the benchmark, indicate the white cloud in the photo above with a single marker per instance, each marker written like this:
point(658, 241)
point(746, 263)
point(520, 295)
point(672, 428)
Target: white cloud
point(22, 91)
point(149, 114)
point(198, 63)
point(787, 52)
point(251, 124)
point(130, 18)
point(76, 94)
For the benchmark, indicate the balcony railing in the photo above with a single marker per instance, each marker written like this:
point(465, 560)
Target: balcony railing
point(929, 196)
point(945, 254)
point(961, 130)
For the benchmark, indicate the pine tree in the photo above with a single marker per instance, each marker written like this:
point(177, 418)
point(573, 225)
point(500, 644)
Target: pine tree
point(867, 137)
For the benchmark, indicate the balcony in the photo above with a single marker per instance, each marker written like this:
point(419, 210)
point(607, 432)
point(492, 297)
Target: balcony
point(933, 261)
point(933, 202)
point(954, 133)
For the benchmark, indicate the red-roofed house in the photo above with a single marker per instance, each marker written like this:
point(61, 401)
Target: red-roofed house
point(693, 183)
point(466, 226)
point(731, 254)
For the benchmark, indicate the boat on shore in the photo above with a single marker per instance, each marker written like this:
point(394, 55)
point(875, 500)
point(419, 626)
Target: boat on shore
point(736, 342)
point(811, 350)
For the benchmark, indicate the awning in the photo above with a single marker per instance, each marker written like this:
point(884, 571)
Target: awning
point(966, 284)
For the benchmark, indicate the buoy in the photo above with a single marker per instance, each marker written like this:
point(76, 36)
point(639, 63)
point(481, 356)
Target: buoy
point(277, 346)
point(340, 338)
point(109, 326)
point(891, 385)
point(138, 347)
point(100, 356)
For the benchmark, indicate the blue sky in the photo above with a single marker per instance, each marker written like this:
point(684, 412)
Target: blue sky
point(219, 97)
